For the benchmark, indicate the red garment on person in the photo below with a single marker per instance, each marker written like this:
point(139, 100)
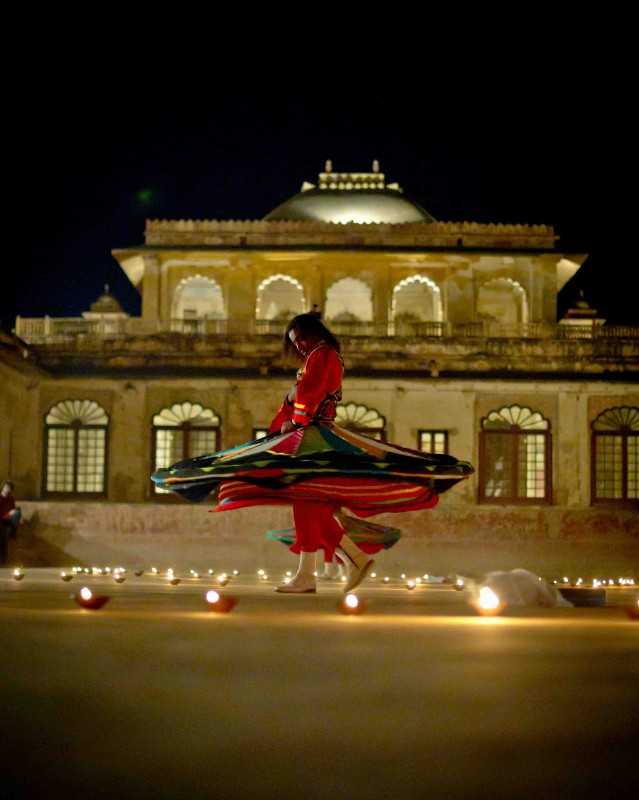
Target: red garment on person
point(7, 504)
point(319, 384)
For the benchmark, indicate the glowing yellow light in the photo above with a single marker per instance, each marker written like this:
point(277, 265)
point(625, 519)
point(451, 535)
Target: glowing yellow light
point(107, 570)
point(212, 596)
point(260, 572)
point(565, 579)
point(418, 581)
point(222, 579)
point(488, 600)
point(169, 572)
point(236, 572)
point(386, 579)
point(373, 574)
point(154, 570)
point(343, 578)
point(411, 585)
point(289, 573)
point(351, 601)
point(459, 582)
point(403, 576)
point(86, 593)
point(315, 574)
point(211, 572)
point(195, 574)
point(287, 579)
point(426, 576)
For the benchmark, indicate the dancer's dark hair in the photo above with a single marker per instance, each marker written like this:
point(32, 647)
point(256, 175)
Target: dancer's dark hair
point(308, 325)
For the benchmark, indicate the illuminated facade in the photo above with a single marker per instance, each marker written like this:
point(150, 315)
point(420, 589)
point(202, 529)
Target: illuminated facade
point(449, 332)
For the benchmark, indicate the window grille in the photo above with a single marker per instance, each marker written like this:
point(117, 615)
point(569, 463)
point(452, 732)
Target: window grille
point(75, 457)
point(615, 456)
point(515, 457)
point(181, 431)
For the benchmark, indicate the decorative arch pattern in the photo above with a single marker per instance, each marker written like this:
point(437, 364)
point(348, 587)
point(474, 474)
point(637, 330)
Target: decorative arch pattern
point(515, 456)
point(183, 430)
point(360, 418)
point(502, 300)
point(75, 457)
point(349, 300)
point(416, 299)
point(615, 456)
point(198, 297)
point(279, 297)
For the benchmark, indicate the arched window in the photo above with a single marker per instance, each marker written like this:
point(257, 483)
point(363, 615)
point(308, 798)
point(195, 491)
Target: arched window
point(515, 457)
point(185, 430)
point(361, 419)
point(198, 298)
point(349, 300)
point(416, 299)
point(615, 456)
point(75, 449)
point(279, 297)
point(502, 300)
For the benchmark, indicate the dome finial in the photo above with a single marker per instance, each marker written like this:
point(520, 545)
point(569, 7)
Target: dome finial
point(106, 288)
point(375, 165)
point(328, 167)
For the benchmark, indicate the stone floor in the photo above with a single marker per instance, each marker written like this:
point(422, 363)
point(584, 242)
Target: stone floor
point(155, 697)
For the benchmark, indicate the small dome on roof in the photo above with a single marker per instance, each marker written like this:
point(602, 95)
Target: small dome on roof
point(106, 303)
point(361, 197)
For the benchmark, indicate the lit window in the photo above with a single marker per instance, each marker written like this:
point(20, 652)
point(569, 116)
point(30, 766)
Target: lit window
point(515, 456)
point(76, 443)
point(185, 430)
point(615, 456)
point(361, 419)
point(432, 441)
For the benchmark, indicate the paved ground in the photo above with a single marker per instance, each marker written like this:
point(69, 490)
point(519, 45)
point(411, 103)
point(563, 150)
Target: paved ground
point(154, 697)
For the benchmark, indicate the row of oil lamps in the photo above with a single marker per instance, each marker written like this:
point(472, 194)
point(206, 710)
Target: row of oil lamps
point(118, 574)
point(486, 603)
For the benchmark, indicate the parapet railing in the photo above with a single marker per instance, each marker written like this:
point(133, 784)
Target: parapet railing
point(54, 330)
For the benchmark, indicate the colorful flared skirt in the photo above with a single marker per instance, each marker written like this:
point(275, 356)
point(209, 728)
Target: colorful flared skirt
point(368, 536)
point(319, 463)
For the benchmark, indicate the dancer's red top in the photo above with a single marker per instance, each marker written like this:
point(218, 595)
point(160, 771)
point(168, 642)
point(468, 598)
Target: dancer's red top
point(319, 379)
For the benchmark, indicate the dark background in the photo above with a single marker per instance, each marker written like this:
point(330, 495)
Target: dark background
point(544, 147)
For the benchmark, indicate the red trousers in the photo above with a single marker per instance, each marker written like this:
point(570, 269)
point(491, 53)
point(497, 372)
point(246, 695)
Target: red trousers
point(315, 527)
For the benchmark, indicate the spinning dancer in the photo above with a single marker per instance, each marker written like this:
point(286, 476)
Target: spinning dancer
point(316, 466)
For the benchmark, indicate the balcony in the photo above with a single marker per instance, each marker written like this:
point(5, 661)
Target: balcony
point(68, 330)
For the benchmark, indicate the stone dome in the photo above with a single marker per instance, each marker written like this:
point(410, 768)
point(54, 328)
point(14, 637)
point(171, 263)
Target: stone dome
point(357, 197)
point(106, 303)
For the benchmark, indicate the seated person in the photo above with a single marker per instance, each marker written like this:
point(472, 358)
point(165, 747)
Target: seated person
point(9, 515)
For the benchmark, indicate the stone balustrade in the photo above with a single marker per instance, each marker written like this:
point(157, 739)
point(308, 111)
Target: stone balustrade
point(56, 330)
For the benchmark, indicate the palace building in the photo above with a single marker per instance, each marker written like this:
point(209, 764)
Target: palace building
point(450, 338)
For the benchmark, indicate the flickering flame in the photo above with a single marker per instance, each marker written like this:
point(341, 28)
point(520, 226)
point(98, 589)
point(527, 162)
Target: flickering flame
point(86, 593)
point(212, 596)
point(488, 600)
point(411, 585)
point(351, 601)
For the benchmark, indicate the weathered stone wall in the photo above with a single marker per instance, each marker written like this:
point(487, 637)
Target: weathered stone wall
point(242, 404)
point(450, 538)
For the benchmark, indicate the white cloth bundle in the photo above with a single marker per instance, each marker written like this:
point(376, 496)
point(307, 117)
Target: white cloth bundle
point(519, 587)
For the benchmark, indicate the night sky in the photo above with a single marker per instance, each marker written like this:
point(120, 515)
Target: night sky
point(534, 155)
